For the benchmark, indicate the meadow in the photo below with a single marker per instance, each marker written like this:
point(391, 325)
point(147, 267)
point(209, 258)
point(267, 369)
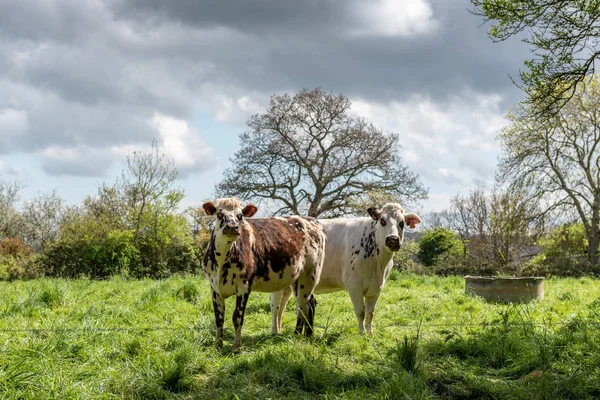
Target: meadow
point(153, 339)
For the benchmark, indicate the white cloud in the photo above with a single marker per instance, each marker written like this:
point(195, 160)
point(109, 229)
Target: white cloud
point(226, 105)
point(455, 176)
point(394, 18)
point(450, 145)
point(183, 144)
point(13, 122)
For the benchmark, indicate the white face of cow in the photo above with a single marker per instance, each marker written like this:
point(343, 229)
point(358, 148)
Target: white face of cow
point(391, 221)
point(229, 215)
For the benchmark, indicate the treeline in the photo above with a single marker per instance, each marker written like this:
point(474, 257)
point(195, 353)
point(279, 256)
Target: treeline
point(505, 232)
point(307, 154)
point(132, 227)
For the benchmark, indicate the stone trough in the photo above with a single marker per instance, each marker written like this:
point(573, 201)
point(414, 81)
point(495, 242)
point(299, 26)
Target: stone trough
point(506, 289)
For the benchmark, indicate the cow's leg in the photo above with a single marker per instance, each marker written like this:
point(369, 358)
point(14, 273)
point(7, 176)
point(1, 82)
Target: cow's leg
point(238, 318)
point(219, 307)
point(303, 288)
point(370, 308)
point(278, 302)
point(312, 308)
point(356, 295)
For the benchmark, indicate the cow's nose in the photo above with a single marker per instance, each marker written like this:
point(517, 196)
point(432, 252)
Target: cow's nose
point(392, 242)
point(231, 229)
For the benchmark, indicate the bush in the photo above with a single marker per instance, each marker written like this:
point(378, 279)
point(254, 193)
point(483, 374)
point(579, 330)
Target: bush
point(564, 265)
point(406, 259)
point(439, 245)
point(92, 247)
point(564, 253)
point(15, 247)
point(568, 239)
point(19, 267)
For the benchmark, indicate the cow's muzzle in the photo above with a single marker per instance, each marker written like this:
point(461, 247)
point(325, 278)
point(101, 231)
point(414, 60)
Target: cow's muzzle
point(231, 230)
point(392, 242)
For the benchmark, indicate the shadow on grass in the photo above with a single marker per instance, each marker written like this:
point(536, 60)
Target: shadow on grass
point(283, 373)
point(517, 358)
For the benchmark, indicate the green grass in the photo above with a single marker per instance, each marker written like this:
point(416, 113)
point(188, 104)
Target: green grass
point(66, 339)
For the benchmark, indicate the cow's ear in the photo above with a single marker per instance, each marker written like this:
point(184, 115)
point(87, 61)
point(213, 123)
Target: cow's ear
point(249, 210)
point(374, 212)
point(209, 208)
point(412, 219)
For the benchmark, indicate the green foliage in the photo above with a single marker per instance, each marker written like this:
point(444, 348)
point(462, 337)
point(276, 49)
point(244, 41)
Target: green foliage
point(17, 260)
point(568, 239)
point(407, 352)
point(563, 35)
point(407, 259)
point(438, 245)
point(564, 253)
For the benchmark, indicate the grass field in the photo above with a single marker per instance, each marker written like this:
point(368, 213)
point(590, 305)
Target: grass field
point(89, 339)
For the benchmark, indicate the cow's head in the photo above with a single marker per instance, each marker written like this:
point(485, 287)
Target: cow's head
point(391, 221)
point(230, 215)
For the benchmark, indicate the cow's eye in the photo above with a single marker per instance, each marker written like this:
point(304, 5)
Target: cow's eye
point(219, 215)
point(383, 223)
point(401, 224)
point(240, 216)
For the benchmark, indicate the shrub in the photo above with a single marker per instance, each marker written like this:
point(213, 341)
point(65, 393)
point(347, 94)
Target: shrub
point(93, 247)
point(564, 253)
point(406, 259)
point(439, 245)
point(568, 239)
point(19, 267)
point(12, 246)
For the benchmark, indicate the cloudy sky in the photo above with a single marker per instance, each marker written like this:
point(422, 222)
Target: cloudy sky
point(83, 83)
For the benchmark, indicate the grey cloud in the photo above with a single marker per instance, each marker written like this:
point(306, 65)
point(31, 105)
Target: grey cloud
point(92, 73)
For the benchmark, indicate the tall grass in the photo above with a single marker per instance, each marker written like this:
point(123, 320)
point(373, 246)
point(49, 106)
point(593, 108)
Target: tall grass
point(147, 339)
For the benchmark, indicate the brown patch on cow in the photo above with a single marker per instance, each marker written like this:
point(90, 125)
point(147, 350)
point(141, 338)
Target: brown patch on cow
point(276, 245)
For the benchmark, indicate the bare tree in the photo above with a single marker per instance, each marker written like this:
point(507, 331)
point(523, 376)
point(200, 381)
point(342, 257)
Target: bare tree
point(149, 179)
point(200, 223)
point(42, 218)
point(310, 156)
point(10, 218)
point(497, 227)
point(558, 159)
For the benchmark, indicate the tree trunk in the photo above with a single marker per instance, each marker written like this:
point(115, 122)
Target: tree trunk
point(593, 236)
point(593, 244)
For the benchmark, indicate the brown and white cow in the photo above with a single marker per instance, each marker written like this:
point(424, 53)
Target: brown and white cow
point(358, 258)
point(264, 255)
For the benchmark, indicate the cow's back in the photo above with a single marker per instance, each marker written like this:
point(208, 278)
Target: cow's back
point(344, 238)
point(272, 251)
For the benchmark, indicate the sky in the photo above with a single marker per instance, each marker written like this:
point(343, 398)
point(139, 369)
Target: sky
point(84, 83)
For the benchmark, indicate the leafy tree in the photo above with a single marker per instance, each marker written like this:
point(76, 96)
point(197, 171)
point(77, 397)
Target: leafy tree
point(564, 36)
point(439, 244)
point(558, 159)
point(308, 155)
point(562, 240)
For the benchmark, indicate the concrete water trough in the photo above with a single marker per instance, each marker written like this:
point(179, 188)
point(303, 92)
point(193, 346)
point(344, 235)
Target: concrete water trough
point(506, 289)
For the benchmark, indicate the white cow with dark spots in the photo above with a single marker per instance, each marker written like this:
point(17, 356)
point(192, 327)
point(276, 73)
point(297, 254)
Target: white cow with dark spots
point(358, 258)
point(261, 254)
